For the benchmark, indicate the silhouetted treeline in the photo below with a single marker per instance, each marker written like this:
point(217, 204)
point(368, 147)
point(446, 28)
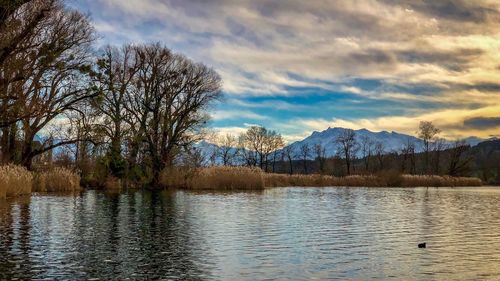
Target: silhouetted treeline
point(482, 161)
point(434, 156)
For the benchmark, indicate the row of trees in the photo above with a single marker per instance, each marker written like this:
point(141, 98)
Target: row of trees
point(132, 110)
point(258, 147)
point(264, 148)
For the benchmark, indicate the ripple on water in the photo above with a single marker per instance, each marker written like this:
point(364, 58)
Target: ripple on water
point(285, 233)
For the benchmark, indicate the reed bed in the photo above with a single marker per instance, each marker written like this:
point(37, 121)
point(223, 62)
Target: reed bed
point(15, 181)
point(112, 183)
point(57, 179)
point(381, 180)
point(219, 178)
point(282, 180)
point(438, 181)
point(223, 178)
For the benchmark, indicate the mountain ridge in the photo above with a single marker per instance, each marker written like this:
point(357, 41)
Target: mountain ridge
point(391, 141)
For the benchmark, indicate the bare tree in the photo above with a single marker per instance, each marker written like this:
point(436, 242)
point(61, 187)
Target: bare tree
point(380, 153)
point(427, 132)
point(277, 144)
point(168, 102)
point(288, 154)
point(263, 142)
point(114, 74)
point(437, 147)
point(459, 158)
point(226, 149)
point(347, 146)
point(18, 22)
point(248, 155)
point(272, 141)
point(366, 146)
point(254, 139)
point(304, 154)
point(54, 61)
point(408, 154)
point(320, 152)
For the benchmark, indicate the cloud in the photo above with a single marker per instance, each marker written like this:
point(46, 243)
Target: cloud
point(233, 114)
point(479, 122)
point(456, 10)
point(482, 122)
point(432, 60)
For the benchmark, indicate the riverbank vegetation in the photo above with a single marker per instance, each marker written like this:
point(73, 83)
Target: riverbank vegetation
point(55, 180)
point(247, 178)
point(15, 181)
point(134, 116)
point(223, 178)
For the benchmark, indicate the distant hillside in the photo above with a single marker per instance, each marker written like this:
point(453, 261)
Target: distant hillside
point(392, 141)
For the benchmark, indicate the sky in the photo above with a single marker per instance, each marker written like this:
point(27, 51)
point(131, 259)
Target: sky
point(300, 66)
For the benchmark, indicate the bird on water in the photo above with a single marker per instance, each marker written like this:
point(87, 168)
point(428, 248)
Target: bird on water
point(422, 245)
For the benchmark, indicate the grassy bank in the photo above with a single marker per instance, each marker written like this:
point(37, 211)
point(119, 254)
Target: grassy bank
point(230, 178)
point(17, 180)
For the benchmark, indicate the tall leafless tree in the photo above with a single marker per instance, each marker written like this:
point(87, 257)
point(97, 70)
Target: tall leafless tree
point(304, 155)
point(168, 102)
point(114, 73)
point(427, 132)
point(408, 155)
point(54, 64)
point(226, 149)
point(320, 153)
point(438, 146)
point(459, 158)
point(347, 147)
point(289, 156)
point(366, 147)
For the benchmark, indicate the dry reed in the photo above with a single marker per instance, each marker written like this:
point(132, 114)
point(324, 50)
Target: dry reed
point(223, 178)
point(14, 181)
point(113, 183)
point(438, 181)
point(220, 178)
point(57, 179)
point(282, 180)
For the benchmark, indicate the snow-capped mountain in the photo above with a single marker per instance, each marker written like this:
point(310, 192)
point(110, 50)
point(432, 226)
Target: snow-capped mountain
point(391, 141)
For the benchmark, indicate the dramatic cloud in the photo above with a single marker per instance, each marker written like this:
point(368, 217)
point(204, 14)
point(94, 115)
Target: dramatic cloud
point(362, 61)
point(483, 122)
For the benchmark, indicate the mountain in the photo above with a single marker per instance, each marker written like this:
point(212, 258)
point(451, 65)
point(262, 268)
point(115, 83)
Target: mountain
point(391, 140)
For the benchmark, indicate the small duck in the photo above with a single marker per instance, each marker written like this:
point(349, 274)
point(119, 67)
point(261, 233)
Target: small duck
point(422, 245)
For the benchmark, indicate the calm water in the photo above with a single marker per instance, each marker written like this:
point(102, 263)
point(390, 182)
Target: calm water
point(284, 234)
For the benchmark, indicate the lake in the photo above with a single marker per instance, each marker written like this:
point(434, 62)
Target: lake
point(276, 234)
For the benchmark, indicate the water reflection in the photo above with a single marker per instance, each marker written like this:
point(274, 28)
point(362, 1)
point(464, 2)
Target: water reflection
point(288, 233)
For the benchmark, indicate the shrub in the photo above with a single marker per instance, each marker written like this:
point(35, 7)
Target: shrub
point(14, 181)
point(57, 179)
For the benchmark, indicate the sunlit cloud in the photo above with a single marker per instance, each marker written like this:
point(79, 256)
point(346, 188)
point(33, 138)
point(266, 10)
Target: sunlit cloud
point(388, 64)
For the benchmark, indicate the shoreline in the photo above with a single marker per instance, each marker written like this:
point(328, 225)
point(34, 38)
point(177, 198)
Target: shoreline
point(16, 181)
